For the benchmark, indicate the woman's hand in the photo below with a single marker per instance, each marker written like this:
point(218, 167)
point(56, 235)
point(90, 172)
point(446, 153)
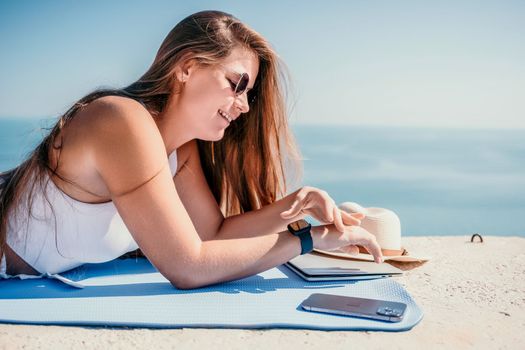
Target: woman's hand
point(325, 237)
point(319, 205)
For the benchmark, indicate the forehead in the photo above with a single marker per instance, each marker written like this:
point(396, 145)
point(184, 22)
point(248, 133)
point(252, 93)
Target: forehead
point(242, 60)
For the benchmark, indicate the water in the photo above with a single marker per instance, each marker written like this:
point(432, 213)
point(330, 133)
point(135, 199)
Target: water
point(439, 181)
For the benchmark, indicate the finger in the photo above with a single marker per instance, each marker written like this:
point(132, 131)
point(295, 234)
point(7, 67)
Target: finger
point(374, 249)
point(338, 220)
point(349, 219)
point(327, 213)
point(359, 216)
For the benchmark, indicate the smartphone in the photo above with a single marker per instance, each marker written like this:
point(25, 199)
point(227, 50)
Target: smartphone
point(390, 311)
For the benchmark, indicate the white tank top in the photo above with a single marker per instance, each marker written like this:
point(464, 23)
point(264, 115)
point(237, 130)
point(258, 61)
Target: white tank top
point(74, 233)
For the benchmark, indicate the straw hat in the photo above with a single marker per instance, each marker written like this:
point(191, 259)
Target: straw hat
point(384, 224)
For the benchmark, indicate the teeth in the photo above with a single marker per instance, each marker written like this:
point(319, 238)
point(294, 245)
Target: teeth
point(225, 115)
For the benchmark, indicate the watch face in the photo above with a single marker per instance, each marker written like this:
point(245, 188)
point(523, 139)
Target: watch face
point(299, 224)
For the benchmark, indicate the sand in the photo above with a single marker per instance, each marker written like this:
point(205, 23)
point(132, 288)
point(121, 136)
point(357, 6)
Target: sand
point(472, 294)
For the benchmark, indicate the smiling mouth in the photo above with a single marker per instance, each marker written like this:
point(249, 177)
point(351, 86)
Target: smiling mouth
point(225, 116)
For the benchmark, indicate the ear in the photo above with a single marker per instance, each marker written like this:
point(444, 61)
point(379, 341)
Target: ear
point(184, 69)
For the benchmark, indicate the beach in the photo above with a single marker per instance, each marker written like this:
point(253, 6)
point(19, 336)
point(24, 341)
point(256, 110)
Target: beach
point(472, 296)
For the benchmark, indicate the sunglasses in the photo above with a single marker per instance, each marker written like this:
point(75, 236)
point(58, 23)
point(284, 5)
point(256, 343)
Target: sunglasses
point(241, 86)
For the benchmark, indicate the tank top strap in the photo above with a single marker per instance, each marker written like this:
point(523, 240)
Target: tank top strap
point(172, 159)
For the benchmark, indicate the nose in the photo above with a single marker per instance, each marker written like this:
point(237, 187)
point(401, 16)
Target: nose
point(241, 103)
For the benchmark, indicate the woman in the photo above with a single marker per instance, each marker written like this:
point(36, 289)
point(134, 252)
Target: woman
point(185, 164)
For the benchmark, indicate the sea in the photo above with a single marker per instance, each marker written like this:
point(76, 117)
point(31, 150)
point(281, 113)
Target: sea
point(440, 182)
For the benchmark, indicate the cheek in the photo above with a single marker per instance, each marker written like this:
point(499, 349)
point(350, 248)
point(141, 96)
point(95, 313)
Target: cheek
point(206, 91)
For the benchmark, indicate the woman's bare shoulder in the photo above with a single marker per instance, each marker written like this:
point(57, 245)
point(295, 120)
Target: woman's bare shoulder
point(114, 111)
point(124, 142)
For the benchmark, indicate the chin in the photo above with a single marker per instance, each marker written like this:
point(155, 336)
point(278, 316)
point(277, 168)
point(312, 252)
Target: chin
point(212, 132)
point(213, 137)
point(220, 136)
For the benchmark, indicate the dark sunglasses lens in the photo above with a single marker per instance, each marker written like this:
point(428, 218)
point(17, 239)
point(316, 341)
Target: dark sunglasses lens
point(242, 84)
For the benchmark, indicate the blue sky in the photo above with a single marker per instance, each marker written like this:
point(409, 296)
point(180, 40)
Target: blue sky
point(399, 63)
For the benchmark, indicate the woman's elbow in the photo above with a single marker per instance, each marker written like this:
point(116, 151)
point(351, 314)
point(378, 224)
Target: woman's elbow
point(187, 278)
point(188, 272)
point(184, 283)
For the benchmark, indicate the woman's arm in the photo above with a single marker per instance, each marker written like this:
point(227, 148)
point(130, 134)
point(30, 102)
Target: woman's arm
point(205, 213)
point(263, 221)
point(210, 224)
point(130, 156)
point(226, 260)
point(306, 201)
point(231, 259)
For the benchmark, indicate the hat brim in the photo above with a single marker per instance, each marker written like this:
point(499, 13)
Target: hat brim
point(368, 257)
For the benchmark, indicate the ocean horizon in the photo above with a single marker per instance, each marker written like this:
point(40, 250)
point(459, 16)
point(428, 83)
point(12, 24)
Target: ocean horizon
point(440, 181)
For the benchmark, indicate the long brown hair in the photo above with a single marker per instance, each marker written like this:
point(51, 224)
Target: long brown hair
point(245, 169)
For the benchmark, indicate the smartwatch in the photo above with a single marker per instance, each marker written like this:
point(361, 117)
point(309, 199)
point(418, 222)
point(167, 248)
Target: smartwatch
point(301, 228)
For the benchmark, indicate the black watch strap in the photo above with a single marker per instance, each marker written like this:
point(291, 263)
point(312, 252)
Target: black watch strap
point(302, 229)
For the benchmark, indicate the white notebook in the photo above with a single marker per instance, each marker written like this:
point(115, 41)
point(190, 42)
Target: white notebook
point(316, 267)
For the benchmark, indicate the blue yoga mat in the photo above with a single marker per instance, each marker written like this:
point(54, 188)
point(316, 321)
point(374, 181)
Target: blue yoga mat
point(133, 293)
